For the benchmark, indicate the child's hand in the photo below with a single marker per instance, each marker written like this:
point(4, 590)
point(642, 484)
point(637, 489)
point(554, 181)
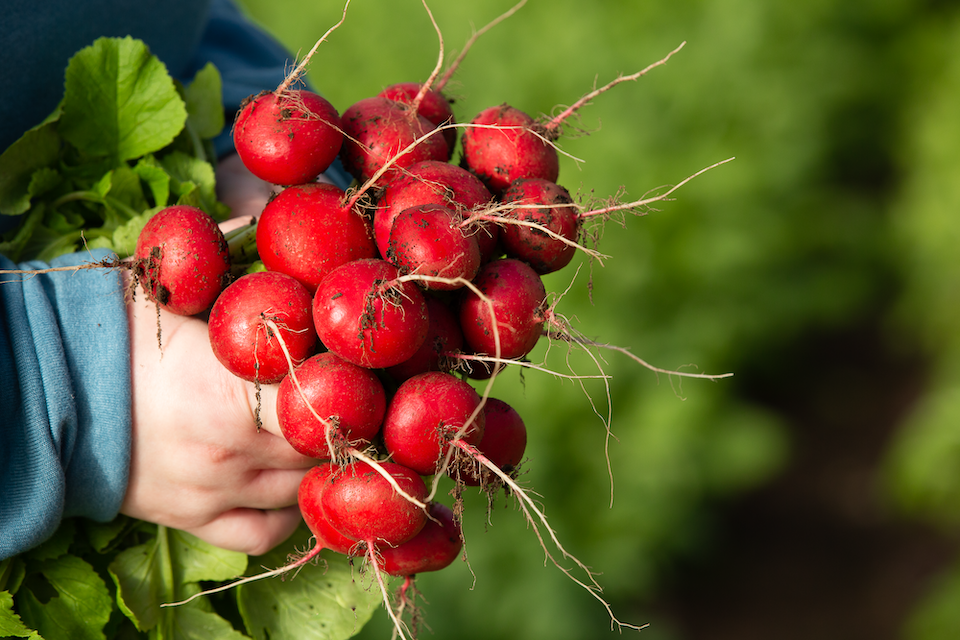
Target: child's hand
point(198, 463)
point(243, 192)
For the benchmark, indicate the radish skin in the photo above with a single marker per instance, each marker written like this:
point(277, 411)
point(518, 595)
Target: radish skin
point(182, 260)
point(287, 138)
point(426, 412)
point(517, 296)
point(503, 146)
point(240, 336)
point(368, 318)
point(377, 130)
point(349, 398)
point(307, 231)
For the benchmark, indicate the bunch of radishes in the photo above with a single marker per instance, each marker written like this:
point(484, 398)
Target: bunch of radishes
point(378, 304)
point(372, 311)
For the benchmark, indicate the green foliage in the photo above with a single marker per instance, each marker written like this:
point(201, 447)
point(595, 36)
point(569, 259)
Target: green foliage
point(125, 141)
point(119, 579)
point(79, 606)
point(937, 617)
point(923, 462)
point(10, 624)
point(325, 602)
point(119, 101)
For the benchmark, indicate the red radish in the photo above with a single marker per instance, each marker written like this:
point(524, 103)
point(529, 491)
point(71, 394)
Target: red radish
point(308, 230)
point(290, 138)
point(426, 413)
point(436, 546)
point(182, 260)
point(308, 498)
point(368, 318)
point(433, 106)
point(507, 147)
point(517, 296)
point(428, 240)
point(377, 131)
point(504, 442)
point(433, 182)
point(248, 316)
point(549, 206)
point(361, 504)
point(443, 338)
point(351, 400)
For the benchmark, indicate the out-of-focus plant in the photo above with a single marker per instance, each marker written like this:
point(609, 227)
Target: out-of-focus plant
point(924, 463)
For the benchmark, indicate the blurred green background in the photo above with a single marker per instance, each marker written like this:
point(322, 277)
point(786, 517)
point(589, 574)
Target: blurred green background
point(815, 493)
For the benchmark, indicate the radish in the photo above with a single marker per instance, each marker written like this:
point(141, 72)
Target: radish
point(547, 205)
point(308, 230)
point(505, 144)
point(427, 412)
point(287, 137)
point(363, 506)
point(364, 315)
point(504, 442)
point(427, 240)
point(308, 499)
point(350, 400)
point(443, 339)
point(182, 260)
point(436, 546)
point(433, 182)
point(378, 131)
point(433, 106)
point(517, 296)
point(252, 316)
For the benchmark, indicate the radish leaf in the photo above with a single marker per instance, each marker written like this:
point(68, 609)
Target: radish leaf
point(37, 148)
point(119, 101)
point(202, 96)
point(324, 602)
point(65, 599)
point(168, 569)
point(11, 626)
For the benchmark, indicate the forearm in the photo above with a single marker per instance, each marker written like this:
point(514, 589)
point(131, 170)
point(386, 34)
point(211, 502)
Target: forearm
point(65, 399)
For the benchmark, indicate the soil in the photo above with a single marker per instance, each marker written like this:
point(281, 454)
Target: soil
point(817, 552)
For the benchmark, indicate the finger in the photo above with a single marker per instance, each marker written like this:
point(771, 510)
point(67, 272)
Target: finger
point(236, 223)
point(263, 406)
point(267, 451)
point(244, 193)
point(249, 531)
point(270, 489)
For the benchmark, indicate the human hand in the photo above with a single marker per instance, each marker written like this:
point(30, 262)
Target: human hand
point(198, 462)
point(243, 192)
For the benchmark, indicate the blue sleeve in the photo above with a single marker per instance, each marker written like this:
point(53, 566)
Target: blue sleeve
point(249, 61)
point(65, 404)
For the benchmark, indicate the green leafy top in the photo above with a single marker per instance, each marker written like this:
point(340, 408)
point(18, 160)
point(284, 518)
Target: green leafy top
point(125, 141)
point(112, 580)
